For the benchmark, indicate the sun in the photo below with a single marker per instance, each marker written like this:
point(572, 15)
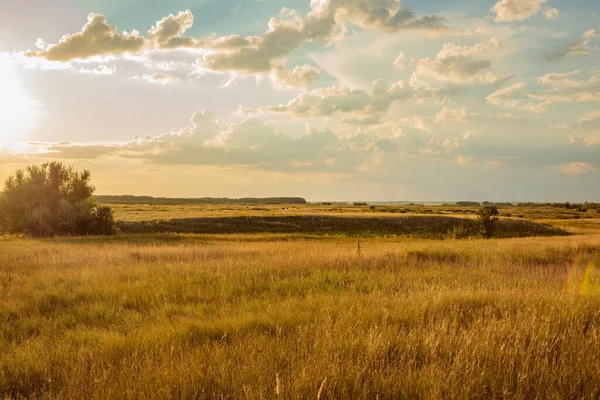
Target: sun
point(15, 106)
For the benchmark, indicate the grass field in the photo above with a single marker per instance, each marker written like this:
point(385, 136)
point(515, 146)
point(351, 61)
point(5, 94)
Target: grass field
point(296, 315)
point(145, 212)
point(267, 316)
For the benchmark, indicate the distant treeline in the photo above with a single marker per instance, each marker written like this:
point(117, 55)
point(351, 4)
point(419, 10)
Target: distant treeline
point(567, 205)
point(127, 199)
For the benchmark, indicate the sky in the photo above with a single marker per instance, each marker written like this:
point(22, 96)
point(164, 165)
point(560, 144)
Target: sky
point(373, 100)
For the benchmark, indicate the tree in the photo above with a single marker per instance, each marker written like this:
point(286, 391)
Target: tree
point(487, 216)
point(53, 199)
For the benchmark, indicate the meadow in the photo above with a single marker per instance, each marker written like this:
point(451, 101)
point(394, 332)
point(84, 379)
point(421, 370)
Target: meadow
point(289, 315)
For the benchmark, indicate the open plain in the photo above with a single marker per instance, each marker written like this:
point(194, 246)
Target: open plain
point(287, 315)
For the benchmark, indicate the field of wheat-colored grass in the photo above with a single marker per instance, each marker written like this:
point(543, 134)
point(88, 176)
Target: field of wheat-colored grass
point(281, 316)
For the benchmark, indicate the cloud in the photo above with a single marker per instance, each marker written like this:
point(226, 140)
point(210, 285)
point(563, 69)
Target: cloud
point(97, 38)
point(208, 141)
point(356, 106)
point(512, 97)
point(560, 88)
point(518, 10)
point(168, 32)
point(300, 77)
point(458, 64)
point(576, 168)
point(163, 79)
point(551, 13)
point(326, 20)
point(451, 115)
point(399, 62)
point(590, 116)
point(585, 129)
point(99, 70)
point(578, 47)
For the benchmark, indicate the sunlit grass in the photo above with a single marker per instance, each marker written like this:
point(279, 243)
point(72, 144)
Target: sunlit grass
point(246, 316)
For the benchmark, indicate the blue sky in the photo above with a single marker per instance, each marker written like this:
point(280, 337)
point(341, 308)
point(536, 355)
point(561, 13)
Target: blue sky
point(331, 99)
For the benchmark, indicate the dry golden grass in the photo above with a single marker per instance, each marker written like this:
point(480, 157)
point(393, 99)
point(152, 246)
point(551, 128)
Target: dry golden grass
point(278, 316)
point(142, 212)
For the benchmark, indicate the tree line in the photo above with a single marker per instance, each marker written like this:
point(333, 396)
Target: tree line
point(129, 199)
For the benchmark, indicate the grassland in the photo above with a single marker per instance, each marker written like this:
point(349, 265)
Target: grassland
point(346, 220)
point(297, 315)
point(145, 212)
point(280, 316)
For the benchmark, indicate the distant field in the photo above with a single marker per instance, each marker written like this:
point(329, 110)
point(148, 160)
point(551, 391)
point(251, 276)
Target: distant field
point(416, 226)
point(269, 316)
point(140, 212)
point(404, 221)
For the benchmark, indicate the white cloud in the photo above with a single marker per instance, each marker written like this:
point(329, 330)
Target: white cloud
point(163, 79)
point(562, 88)
point(576, 168)
point(451, 144)
point(451, 115)
point(356, 106)
point(516, 10)
point(551, 13)
point(97, 38)
point(168, 32)
point(579, 47)
point(399, 62)
point(99, 70)
point(326, 21)
point(299, 77)
point(590, 116)
point(460, 64)
point(559, 88)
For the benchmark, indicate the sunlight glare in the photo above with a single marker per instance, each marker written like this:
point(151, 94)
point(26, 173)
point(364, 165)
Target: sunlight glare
point(15, 105)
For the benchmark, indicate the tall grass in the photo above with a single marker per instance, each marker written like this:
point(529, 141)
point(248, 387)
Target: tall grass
point(176, 316)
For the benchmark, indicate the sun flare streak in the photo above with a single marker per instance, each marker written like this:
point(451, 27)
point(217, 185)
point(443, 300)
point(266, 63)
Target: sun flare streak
point(15, 106)
point(580, 277)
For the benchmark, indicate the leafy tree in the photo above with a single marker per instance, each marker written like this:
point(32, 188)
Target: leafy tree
point(487, 216)
point(53, 199)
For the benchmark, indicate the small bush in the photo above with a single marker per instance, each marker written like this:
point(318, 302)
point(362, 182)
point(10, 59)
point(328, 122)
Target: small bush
point(50, 200)
point(458, 232)
point(487, 216)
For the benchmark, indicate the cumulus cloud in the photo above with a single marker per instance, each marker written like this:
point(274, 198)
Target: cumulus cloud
point(356, 106)
point(551, 13)
point(288, 31)
point(460, 64)
point(259, 54)
point(579, 47)
point(208, 141)
point(518, 10)
point(451, 115)
point(168, 32)
point(299, 77)
point(576, 168)
point(97, 38)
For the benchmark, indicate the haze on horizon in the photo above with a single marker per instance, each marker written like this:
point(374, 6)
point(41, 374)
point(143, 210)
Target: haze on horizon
point(372, 100)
